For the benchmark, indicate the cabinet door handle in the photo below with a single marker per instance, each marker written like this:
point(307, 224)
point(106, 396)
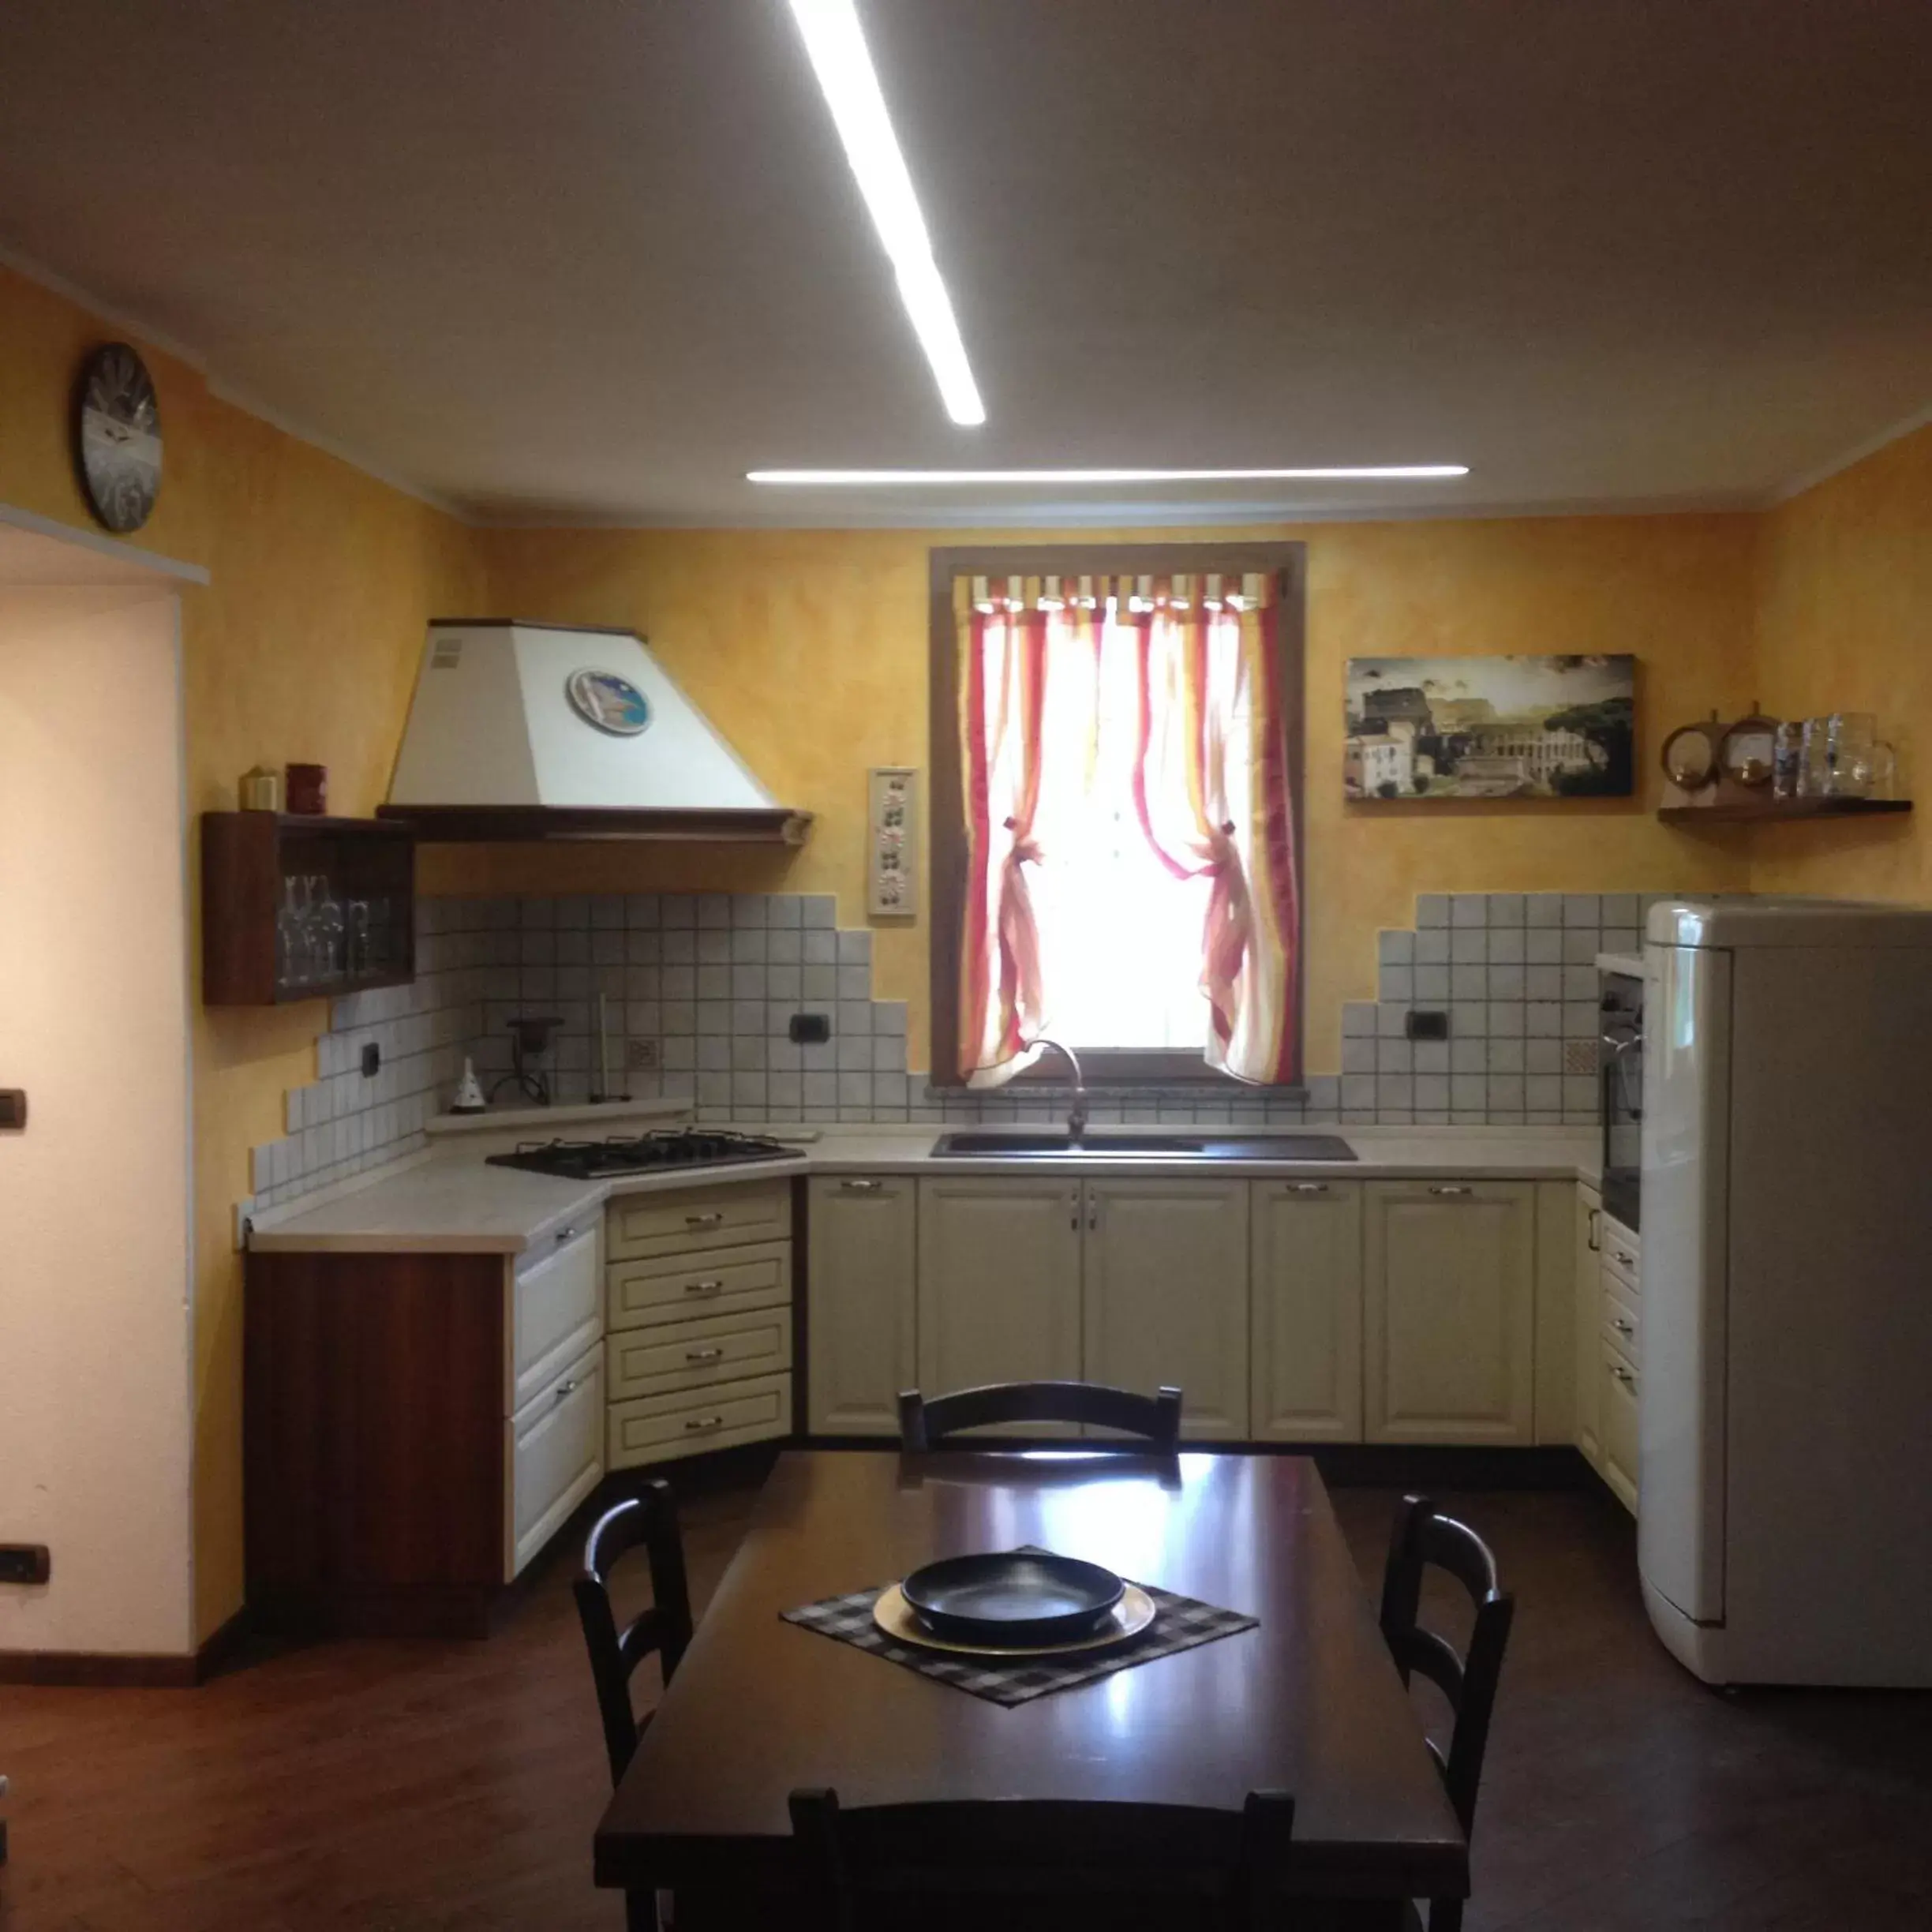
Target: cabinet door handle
point(714, 1218)
point(566, 1388)
point(1625, 1376)
point(861, 1187)
point(1306, 1187)
point(704, 1287)
point(1446, 1188)
point(565, 1234)
point(1594, 1239)
point(1624, 1328)
point(1073, 1204)
point(1624, 1259)
point(704, 1354)
point(705, 1422)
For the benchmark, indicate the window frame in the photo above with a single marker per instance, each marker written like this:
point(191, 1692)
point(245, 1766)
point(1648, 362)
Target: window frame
point(1287, 563)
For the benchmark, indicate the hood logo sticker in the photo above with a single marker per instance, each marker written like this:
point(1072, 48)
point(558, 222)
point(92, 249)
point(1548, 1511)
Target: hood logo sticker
point(609, 703)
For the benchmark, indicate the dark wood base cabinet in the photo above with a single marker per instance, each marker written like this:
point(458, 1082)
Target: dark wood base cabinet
point(416, 1427)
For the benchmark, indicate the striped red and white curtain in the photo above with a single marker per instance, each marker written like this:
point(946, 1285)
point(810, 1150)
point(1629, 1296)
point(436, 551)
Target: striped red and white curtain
point(1153, 703)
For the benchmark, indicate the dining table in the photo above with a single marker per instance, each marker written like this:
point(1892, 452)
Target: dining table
point(1307, 1702)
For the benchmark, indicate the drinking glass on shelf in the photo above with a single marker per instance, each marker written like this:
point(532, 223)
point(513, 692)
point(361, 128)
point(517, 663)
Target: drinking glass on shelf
point(361, 950)
point(291, 941)
point(1787, 760)
point(327, 928)
point(1851, 741)
point(1815, 767)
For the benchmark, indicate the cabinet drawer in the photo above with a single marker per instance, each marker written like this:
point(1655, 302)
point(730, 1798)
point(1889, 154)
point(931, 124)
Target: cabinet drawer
point(555, 1316)
point(696, 1354)
point(1621, 1394)
point(1623, 1254)
point(556, 1455)
point(657, 1428)
point(679, 1286)
point(691, 1219)
point(1622, 1318)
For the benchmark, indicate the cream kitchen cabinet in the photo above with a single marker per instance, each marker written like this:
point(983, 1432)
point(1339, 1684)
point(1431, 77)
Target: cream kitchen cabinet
point(1587, 1303)
point(999, 1281)
point(698, 1321)
point(1165, 1295)
point(861, 1285)
point(1305, 1383)
point(1450, 1307)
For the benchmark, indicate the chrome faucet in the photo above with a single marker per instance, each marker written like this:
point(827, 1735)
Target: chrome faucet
point(1076, 1114)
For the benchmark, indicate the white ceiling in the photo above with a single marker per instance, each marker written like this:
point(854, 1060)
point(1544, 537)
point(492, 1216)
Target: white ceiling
point(565, 260)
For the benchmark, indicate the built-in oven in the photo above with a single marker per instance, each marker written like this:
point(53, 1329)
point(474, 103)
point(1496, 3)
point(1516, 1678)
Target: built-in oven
point(1619, 1066)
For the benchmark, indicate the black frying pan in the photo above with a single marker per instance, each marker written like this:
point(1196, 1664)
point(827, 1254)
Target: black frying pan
point(1012, 1597)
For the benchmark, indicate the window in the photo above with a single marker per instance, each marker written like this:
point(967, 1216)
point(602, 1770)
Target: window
point(1116, 786)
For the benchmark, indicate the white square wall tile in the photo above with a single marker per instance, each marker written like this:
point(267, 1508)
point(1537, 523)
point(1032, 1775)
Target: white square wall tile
point(1431, 909)
point(1468, 909)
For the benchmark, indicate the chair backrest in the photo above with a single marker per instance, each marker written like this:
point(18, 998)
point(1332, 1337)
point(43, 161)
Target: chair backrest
point(649, 1518)
point(1155, 1418)
point(1018, 1847)
point(1422, 1537)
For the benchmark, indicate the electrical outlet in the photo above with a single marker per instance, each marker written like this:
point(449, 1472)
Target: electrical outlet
point(25, 1562)
point(372, 1061)
point(811, 1029)
point(1428, 1026)
point(641, 1056)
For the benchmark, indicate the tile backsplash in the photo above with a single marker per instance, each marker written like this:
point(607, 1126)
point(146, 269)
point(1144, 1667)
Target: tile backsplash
point(714, 978)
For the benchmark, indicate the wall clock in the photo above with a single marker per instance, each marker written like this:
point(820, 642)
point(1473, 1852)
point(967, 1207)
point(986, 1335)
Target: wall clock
point(118, 437)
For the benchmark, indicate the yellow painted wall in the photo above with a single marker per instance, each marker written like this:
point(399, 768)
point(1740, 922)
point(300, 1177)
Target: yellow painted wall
point(303, 645)
point(1844, 623)
point(808, 649)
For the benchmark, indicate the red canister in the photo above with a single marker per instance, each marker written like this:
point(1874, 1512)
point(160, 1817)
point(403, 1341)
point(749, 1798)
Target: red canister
point(308, 789)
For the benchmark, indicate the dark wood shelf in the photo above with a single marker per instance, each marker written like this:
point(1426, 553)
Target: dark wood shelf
point(247, 857)
point(1768, 811)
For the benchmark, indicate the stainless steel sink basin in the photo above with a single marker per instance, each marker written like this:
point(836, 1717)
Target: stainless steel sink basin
point(1020, 1144)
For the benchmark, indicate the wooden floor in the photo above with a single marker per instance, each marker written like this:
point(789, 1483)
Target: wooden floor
point(401, 1786)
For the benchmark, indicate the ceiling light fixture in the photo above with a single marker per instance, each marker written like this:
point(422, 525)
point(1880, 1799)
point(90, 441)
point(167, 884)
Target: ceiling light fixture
point(841, 59)
point(1372, 473)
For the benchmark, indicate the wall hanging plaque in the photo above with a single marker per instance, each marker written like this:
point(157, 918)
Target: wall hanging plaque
point(612, 703)
point(1489, 728)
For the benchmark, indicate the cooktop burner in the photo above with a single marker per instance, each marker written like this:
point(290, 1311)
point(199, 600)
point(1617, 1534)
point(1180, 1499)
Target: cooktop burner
point(681, 1147)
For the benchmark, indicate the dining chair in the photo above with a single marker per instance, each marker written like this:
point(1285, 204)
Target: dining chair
point(972, 1864)
point(1155, 1418)
point(1423, 1537)
point(648, 1519)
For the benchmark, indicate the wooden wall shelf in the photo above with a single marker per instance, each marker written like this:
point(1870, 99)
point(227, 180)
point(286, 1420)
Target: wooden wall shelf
point(250, 860)
point(1750, 809)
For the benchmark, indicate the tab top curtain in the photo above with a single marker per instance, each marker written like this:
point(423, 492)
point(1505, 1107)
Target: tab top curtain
point(1170, 695)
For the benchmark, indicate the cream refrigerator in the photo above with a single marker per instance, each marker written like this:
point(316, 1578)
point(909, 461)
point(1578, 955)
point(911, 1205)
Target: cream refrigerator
point(1784, 1520)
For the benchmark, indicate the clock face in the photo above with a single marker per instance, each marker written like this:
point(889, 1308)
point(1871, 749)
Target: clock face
point(120, 437)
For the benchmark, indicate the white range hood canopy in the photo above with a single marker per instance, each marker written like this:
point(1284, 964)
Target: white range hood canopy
point(520, 730)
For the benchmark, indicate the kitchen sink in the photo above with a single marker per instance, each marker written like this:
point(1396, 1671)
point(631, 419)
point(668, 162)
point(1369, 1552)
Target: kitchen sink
point(993, 1144)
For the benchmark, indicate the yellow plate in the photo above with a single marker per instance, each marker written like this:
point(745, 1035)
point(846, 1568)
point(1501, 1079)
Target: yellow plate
point(1129, 1618)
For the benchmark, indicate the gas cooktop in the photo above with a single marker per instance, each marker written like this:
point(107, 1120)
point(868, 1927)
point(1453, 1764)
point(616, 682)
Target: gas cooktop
point(682, 1147)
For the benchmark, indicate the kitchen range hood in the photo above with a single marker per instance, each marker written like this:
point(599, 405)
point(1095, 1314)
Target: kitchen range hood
point(527, 731)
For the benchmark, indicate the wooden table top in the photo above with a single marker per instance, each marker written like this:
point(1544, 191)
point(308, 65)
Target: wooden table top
point(1309, 1702)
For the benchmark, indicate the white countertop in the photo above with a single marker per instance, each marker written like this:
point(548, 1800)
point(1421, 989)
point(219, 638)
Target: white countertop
point(449, 1201)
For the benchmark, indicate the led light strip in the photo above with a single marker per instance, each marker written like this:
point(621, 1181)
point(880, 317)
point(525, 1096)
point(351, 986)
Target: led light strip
point(1373, 473)
point(839, 57)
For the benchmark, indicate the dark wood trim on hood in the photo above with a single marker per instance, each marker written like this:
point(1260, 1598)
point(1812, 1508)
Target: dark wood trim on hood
point(445, 825)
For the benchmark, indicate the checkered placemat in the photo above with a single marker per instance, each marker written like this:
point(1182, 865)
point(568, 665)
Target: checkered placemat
point(1180, 1623)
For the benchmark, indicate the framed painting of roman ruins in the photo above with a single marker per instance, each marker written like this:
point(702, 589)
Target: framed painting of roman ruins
point(1490, 728)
